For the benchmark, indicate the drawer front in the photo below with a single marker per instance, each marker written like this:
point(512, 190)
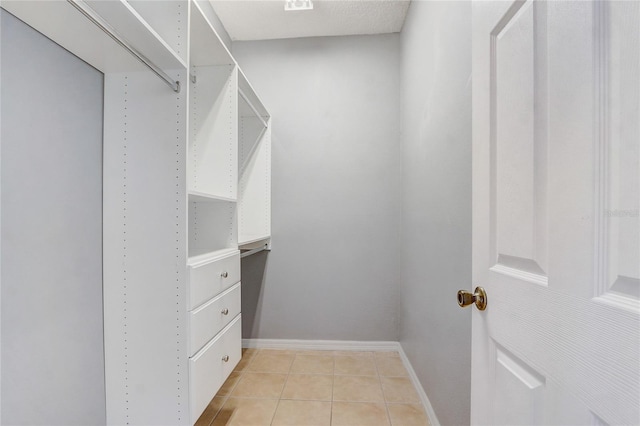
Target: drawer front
point(207, 321)
point(208, 280)
point(208, 369)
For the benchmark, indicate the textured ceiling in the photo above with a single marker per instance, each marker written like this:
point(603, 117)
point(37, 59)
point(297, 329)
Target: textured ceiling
point(267, 19)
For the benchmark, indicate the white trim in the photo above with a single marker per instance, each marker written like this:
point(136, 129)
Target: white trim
point(350, 345)
point(320, 345)
point(619, 301)
point(428, 408)
point(520, 274)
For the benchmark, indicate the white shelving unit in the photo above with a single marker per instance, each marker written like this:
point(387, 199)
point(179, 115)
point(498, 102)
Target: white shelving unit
point(213, 141)
point(186, 185)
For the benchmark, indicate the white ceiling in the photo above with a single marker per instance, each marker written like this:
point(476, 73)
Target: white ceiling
point(267, 19)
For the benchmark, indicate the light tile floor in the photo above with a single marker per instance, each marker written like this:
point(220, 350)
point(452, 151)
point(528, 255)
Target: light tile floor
point(323, 388)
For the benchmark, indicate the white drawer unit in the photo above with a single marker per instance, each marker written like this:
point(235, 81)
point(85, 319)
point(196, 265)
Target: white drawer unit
point(211, 366)
point(210, 276)
point(206, 321)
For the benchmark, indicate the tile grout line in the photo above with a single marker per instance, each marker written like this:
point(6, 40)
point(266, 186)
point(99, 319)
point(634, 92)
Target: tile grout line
point(333, 383)
point(384, 396)
point(406, 402)
point(224, 401)
point(286, 379)
point(228, 396)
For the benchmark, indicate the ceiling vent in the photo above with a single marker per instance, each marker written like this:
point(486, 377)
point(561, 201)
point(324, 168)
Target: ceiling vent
point(290, 5)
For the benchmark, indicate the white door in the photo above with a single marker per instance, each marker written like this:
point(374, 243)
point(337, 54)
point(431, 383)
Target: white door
point(556, 238)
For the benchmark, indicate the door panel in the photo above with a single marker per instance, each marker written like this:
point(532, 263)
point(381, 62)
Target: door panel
point(556, 103)
point(619, 156)
point(519, 389)
point(571, 72)
point(513, 67)
point(518, 147)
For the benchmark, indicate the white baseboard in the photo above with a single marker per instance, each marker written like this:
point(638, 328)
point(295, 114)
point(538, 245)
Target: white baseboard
point(428, 408)
point(320, 345)
point(348, 345)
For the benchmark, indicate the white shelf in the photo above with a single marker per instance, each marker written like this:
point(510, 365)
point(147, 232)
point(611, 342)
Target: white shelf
point(201, 197)
point(62, 23)
point(206, 46)
point(134, 28)
point(166, 18)
point(199, 257)
point(253, 241)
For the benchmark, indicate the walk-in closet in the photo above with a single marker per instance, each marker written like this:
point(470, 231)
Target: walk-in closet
point(319, 212)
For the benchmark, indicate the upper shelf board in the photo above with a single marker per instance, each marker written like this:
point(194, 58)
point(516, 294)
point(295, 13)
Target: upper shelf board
point(253, 241)
point(206, 46)
point(65, 25)
point(201, 197)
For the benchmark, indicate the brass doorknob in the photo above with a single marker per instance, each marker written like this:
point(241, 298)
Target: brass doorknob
point(479, 297)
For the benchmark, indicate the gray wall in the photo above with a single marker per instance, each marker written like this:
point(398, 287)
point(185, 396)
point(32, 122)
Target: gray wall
point(436, 213)
point(51, 282)
point(336, 194)
point(334, 269)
